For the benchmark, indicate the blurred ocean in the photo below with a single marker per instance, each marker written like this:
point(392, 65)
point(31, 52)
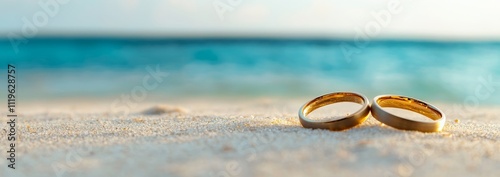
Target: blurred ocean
point(52, 68)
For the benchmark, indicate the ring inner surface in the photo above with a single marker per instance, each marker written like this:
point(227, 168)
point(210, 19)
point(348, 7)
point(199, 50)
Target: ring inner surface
point(330, 99)
point(409, 104)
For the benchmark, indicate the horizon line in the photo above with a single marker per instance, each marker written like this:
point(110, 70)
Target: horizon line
point(254, 37)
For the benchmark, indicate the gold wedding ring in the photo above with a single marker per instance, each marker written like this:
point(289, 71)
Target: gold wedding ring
point(343, 123)
point(410, 104)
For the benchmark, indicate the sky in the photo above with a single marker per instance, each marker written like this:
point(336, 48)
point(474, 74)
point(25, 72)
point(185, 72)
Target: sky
point(419, 19)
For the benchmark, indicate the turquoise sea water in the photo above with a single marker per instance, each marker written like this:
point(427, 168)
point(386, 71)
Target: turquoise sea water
point(51, 68)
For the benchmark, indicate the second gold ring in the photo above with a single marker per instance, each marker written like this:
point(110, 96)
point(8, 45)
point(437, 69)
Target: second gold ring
point(411, 104)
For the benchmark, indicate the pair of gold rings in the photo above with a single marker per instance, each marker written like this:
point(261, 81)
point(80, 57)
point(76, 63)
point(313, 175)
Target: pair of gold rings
point(358, 117)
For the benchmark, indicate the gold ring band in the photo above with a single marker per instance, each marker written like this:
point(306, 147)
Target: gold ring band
point(340, 124)
point(410, 104)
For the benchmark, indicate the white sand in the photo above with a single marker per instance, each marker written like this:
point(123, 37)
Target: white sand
point(242, 138)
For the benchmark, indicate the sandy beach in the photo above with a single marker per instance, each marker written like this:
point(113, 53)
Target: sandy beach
point(129, 88)
point(261, 137)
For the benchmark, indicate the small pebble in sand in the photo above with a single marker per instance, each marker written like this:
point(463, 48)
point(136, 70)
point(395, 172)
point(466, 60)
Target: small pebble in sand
point(164, 109)
point(446, 134)
point(30, 129)
point(138, 120)
point(227, 148)
point(363, 143)
point(457, 121)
